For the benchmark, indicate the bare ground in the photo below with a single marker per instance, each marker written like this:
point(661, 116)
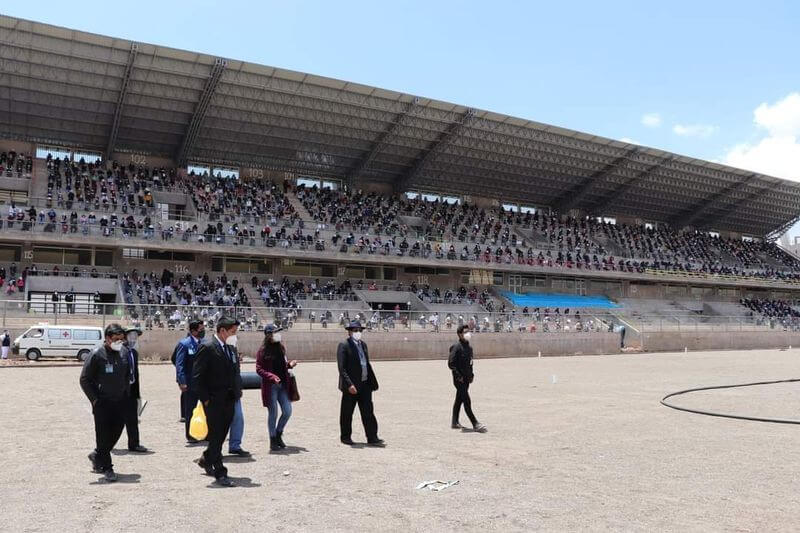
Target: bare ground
point(593, 451)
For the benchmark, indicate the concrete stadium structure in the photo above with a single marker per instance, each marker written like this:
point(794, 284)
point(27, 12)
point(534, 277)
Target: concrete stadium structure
point(79, 96)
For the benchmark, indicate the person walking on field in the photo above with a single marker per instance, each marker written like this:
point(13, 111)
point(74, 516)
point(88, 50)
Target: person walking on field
point(357, 382)
point(460, 362)
point(218, 384)
point(105, 379)
point(277, 384)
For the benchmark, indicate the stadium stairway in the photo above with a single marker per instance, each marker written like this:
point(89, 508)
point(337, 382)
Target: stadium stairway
point(299, 207)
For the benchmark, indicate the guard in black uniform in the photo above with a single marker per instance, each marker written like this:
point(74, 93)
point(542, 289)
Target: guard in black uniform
point(460, 362)
point(131, 353)
point(106, 380)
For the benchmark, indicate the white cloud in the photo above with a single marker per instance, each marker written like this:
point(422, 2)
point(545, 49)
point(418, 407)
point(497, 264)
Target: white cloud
point(777, 154)
point(703, 131)
point(629, 140)
point(651, 120)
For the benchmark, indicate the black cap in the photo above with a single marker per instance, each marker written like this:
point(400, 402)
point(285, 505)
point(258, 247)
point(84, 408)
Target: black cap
point(114, 329)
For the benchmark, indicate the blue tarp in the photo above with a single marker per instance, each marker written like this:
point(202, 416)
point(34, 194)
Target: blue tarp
point(559, 300)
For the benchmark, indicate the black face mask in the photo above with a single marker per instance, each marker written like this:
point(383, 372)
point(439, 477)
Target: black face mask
point(201, 334)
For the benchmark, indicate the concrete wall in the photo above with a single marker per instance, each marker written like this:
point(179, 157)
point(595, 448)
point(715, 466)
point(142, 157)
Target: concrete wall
point(676, 341)
point(20, 147)
point(125, 158)
point(321, 346)
point(15, 184)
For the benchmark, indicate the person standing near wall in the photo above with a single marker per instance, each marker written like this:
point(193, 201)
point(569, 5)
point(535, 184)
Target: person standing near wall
point(6, 343)
point(131, 352)
point(460, 362)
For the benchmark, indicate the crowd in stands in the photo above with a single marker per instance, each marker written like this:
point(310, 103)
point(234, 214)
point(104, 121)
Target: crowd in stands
point(93, 186)
point(88, 198)
point(155, 298)
point(14, 165)
point(778, 309)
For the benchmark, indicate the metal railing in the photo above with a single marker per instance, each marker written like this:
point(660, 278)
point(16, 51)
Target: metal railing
point(313, 316)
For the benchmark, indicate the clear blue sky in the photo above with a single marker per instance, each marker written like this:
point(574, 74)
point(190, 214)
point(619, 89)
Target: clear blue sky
point(702, 67)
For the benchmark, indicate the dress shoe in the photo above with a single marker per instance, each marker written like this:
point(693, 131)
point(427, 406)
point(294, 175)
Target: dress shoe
point(224, 481)
point(138, 449)
point(240, 452)
point(192, 440)
point(479, 428)
point(202, 464)
point(378, 443)
point(348, 441)
point(93, 460)
point(182, 421)
point(279, 439)
point(456, 425)
point(109, 475)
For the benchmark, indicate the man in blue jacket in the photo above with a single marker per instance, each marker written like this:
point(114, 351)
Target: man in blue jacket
point(185, 353)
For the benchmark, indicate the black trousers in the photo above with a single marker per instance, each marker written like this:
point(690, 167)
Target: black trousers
point(188, 403)
point(364, 401)
point(109, 419)
point(132, 422)
point(219, 414)
point(462, 398)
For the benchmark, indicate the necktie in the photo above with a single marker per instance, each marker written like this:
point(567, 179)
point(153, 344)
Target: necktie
point(131, 363)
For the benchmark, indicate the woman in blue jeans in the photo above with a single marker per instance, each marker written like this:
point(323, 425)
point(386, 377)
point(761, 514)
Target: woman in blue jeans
point(277, 384)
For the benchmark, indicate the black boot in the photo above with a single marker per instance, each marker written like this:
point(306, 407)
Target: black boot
point(279, 439)
point(273, 444)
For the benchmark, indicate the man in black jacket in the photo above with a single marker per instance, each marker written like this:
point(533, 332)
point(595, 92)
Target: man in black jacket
point(218, 384)
point(460, 362)
point(357, 382)
point(131, 353)
point(105, 379)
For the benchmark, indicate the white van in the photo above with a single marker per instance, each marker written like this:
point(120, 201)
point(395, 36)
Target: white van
point(58, 341)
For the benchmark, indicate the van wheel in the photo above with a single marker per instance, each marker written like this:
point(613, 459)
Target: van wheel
point(33, 354)
point(83, 355)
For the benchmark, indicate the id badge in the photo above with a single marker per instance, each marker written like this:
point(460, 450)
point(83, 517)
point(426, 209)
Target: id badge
point(109, 369)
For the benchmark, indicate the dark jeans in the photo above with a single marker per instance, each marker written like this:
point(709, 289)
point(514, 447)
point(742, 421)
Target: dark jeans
point(109, 419)
point(132, 422)
point(364, 401)
point(462, 398)
point(188, 403)
point(219, 414)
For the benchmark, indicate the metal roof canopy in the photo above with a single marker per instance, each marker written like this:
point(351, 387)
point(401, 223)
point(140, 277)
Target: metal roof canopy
point(73, 88)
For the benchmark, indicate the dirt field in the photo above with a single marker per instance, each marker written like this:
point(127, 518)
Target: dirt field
point(593, 451)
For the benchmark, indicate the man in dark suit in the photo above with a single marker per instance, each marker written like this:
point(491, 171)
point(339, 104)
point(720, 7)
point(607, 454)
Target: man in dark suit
point(218, 384)
point(357, 382)
point(131, 353)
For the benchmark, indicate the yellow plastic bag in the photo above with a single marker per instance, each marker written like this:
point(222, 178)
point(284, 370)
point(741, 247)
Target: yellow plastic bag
point(198, 427)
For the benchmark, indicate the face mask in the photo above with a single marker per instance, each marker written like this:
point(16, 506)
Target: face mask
point(201, 334)
point(116, 346)
point(231, 341)
point(467, 335)
point(276, 337)
point(357, 335)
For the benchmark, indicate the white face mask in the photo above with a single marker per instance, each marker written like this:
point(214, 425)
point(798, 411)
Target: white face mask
point(467, 335)
point(231, 341)
point(116, 346)
point(357, 335)
point(276, 337)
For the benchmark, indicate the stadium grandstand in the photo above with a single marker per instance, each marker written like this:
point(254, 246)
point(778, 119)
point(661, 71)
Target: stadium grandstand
point(157, 184)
